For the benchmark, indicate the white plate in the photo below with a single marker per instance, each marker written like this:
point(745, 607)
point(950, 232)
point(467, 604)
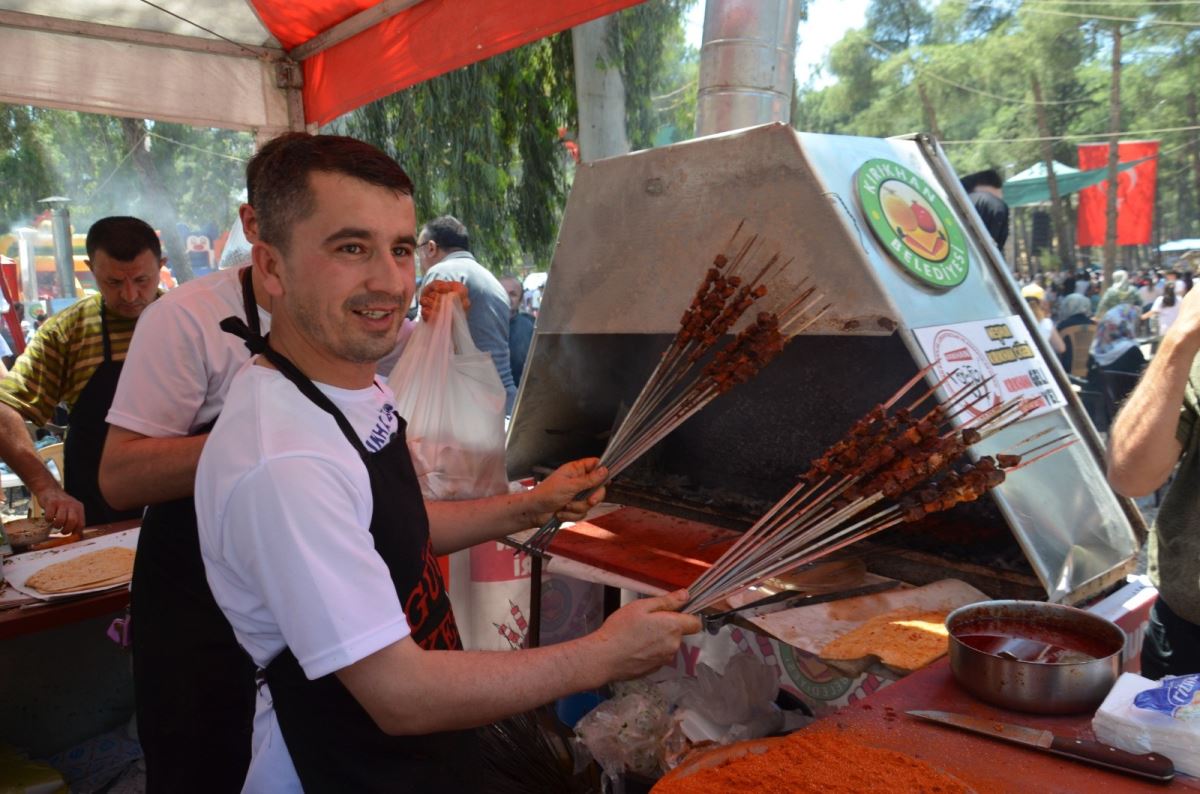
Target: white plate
point(19, 567)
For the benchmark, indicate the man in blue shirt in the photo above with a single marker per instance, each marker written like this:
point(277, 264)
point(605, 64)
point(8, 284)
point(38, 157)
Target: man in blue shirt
point(443, 253)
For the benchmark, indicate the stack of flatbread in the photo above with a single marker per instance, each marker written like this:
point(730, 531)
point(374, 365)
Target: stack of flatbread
point(96, 569)
point(905, 639)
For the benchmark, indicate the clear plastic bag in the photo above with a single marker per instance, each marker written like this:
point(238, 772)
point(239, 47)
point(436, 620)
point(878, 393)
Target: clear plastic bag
point(450, 395)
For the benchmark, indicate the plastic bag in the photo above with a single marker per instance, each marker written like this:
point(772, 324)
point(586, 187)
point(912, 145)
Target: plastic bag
point(452, 398)
point(626, 733)
point(738, 704)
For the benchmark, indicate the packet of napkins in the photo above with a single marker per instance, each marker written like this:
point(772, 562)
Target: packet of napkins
point(1142, 716)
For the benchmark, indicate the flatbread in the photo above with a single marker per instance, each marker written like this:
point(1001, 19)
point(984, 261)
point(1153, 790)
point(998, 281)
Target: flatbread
point(94, 569)
point(906, 639)
point(116, 580)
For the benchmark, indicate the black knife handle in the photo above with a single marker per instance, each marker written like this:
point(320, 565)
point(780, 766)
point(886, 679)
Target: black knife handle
point(1150, 765)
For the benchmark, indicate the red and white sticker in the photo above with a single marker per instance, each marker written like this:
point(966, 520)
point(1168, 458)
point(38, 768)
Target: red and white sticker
point(999, 357)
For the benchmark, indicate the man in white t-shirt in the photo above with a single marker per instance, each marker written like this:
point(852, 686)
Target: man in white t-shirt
point(316, 543)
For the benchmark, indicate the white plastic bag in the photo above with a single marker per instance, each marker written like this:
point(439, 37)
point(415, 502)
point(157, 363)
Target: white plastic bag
point(452, 398)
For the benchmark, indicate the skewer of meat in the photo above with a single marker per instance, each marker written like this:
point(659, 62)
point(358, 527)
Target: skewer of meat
point(953, 489)
point(663, 403)
point(786, 538)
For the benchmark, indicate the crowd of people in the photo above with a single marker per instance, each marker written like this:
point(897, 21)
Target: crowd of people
point(1155, 293)
point(1099, 333)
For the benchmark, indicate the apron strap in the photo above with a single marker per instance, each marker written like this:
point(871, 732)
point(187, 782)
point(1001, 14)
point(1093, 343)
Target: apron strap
point(260, 345)
point(249, 304)
point(104, 332)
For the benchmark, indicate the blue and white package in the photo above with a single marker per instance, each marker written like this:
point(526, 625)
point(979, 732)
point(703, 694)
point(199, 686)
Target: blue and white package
point(1178, 696)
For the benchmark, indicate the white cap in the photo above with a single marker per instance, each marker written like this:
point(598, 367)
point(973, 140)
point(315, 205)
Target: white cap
point(1033, 291)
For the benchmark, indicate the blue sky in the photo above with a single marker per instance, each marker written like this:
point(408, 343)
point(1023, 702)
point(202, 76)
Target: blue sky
point(828, 21)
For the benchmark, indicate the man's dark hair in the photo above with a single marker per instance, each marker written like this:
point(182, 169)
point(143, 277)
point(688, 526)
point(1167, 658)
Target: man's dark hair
point(448, 232)
point(123, 238)
point(277, 177)
point(987, 178)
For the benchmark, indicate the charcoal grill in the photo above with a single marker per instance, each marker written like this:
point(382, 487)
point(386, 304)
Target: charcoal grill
point(638, 233)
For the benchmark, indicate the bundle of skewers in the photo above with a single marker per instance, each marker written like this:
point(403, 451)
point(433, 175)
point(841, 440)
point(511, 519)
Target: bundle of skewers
point(701, 363)
point(894, 466)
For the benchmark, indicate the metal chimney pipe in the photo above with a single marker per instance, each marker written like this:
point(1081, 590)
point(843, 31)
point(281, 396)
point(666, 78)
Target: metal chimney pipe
point(64, 250)
point(26, 261)
point(746, 62)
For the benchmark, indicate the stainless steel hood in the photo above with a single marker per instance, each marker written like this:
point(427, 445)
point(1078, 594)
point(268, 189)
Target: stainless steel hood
point(638, 234)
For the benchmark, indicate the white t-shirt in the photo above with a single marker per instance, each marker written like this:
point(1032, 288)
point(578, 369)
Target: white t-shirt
point(1046, 328)
point(1166, 314)
point(180, 363)
point(284, 504)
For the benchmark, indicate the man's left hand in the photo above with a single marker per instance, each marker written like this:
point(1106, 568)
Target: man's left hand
point(433, 294)
point(555, 495)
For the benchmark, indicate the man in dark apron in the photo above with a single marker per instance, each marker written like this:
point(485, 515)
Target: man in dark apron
point(316, 542)
point(194, 686)
point(76, 359)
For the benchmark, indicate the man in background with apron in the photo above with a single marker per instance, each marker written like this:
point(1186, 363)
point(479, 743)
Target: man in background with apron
point(194, 684)
point(316, 541)
point(75, 359)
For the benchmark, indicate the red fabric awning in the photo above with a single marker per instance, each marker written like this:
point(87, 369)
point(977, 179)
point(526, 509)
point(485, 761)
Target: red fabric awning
point(427, 40)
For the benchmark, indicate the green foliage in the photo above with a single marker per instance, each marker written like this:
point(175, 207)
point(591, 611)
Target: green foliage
point(483, 143)
point(648, 42)
point(86, 158)
point(976, 60)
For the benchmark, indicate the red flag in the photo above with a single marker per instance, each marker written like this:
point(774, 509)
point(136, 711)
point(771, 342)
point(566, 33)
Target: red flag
point(1135, 194)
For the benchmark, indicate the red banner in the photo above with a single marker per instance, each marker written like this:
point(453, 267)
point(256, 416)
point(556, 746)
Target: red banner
point(1135, 194)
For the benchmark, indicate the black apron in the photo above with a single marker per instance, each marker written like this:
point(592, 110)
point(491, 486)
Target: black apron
point(194, 684)
point(333, 742)
point(87, 429)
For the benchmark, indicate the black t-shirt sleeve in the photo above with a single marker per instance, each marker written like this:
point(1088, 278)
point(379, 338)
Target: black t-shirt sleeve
point(994, 213)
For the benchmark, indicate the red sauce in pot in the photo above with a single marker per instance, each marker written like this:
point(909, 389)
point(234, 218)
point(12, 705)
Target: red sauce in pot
point(1032, 642)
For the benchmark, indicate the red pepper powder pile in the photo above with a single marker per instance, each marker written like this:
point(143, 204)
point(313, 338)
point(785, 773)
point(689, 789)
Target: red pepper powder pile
point(820, 762)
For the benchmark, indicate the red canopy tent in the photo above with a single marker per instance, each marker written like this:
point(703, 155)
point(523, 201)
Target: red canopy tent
point(260, 65)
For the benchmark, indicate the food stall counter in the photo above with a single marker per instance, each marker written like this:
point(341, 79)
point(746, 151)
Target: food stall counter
point(20, 615)
point(880, 720)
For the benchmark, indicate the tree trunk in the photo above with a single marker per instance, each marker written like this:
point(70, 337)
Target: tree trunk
point(1194, 143)
point(160, 210)
point(1021, 248)
point(930, 115)
point(1114, 127)
point(1065, 245)
point(600, 93)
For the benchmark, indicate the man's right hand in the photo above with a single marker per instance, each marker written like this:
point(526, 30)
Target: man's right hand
point(643, 636)
point(61, 509)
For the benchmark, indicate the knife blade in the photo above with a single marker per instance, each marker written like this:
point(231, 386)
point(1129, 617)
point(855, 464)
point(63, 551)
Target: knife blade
point(1149, 765)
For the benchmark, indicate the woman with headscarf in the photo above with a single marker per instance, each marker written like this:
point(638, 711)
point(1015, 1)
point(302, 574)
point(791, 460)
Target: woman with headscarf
point(1116, 360)
point(1075, 310)
point(1121, 291)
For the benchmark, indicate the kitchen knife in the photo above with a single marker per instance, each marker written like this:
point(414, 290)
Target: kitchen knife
point(1151, 765)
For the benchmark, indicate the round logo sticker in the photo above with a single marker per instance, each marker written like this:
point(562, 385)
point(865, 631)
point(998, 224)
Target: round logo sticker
point(913, 223)
point(954, 355)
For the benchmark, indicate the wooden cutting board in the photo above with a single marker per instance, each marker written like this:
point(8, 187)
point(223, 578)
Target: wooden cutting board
point(657, 549)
